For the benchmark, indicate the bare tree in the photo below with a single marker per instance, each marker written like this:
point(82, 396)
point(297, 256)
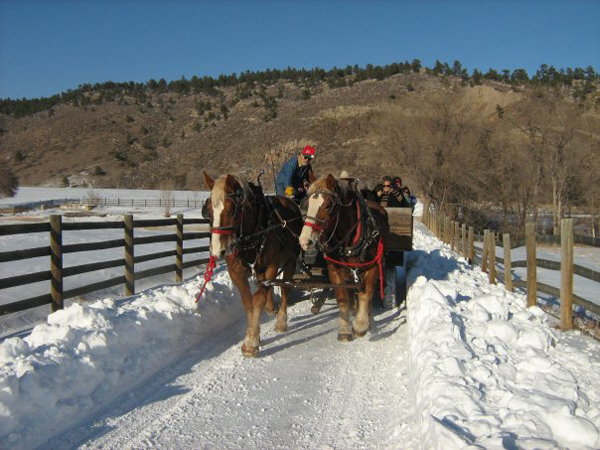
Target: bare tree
point(9, 183)
point(435, 136)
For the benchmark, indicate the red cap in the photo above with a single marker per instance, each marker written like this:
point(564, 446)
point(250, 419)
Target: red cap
point(309, 151)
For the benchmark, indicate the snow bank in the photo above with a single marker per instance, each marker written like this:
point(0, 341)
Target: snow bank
point(488, 371)
point(88, 354)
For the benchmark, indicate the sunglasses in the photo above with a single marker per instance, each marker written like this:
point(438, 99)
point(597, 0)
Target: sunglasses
point(387, 185)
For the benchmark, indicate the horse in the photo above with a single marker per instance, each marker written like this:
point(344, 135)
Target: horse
point(352, 234)
point(256, 235)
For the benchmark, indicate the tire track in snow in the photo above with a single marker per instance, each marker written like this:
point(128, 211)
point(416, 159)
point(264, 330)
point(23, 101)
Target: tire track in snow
point(306, 390)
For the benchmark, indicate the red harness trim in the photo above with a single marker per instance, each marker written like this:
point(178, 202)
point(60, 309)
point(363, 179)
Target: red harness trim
point(219, 231)
point(316, 226)
point(378, 259)
point(207, 275)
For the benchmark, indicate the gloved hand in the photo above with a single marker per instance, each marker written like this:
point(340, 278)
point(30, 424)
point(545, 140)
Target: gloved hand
point(289, 191)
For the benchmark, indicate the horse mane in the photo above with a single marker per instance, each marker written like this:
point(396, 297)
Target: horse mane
point(244, 184)
point(321, 183)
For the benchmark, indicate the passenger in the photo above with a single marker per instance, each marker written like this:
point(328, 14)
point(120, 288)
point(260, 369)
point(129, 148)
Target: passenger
point(392, 196)
point(296, 175)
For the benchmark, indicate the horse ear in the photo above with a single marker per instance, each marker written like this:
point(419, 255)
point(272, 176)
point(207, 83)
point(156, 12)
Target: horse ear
point(330, 182)
point(208, 180)
point(230, 182)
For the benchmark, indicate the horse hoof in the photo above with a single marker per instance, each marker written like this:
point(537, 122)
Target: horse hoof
point(342, 337)
point(249, 352)
point(315, 310)
point(281, 330)
point(357, 334)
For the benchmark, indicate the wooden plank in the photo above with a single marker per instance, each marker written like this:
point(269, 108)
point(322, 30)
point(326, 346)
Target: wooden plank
point(154, 239)
point(23, 305)
point(195, 235)
point(203, 248)
point(88, 246)
point(154, 223)
point(531, 264)
point(19, 280)
point(400, 222)
point(89, 288)
point(555, 292)
point(195, 262)
point(17, 255)
point(56, 262)
point(24, 228)
point(566, 271)
point(84, 268)
point(195, 221)
point(154, 271)
point(151, 256)
point(463, 231)
point(75, 226)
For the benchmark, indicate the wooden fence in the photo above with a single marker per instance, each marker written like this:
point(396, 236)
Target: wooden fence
point(56, 249)
point(453, 233)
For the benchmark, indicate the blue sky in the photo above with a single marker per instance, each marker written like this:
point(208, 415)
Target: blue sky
point(49, 46)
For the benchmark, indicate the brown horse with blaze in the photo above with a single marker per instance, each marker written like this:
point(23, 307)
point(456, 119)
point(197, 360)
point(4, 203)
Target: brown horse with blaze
point(256, 235)
point(352, 233)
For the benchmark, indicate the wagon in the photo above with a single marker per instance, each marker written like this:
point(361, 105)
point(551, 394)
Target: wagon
point(312, 274)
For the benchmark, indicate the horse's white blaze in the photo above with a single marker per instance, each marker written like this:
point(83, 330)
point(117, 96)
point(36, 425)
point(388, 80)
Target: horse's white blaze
point(215, 239)
point(309, 234)
point(218, 202)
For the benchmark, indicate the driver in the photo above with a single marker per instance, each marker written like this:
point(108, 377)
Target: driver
point(296, 175)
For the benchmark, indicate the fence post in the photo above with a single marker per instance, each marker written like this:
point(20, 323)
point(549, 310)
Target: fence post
point(492, 244)
point(566, 276)
point(129, 265)
point(463, 231)
point(484, 252)
point(471, 245)
point(452, 240)
point(508, 282)
point(179, 250)
point(531, 264)
point(56, 262)
point(447, 230)
point(456, 237)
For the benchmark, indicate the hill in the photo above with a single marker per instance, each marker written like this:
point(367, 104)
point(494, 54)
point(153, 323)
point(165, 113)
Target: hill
point(125, 136)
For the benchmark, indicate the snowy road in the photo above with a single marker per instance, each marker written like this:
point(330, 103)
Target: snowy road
point(306, 389)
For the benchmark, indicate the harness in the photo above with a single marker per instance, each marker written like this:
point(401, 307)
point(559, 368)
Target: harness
point(365, 229)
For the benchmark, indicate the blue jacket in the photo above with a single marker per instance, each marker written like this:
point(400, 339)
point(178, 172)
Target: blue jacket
point(292, 174)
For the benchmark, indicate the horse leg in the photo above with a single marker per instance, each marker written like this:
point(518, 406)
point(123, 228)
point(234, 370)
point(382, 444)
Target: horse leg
point(270, 306)
point(239, 275)
point(336, 276)
point(288, 273)
point(362, 320)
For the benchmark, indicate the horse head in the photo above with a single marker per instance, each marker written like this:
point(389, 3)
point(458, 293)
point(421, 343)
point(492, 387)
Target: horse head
point(324, 201)
point(223, 210)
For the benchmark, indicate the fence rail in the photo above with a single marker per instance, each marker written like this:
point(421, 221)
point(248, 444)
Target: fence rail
point(56, 249)
point(448, 231)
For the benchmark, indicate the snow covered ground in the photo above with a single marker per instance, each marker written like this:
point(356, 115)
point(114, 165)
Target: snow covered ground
point(466, 366)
